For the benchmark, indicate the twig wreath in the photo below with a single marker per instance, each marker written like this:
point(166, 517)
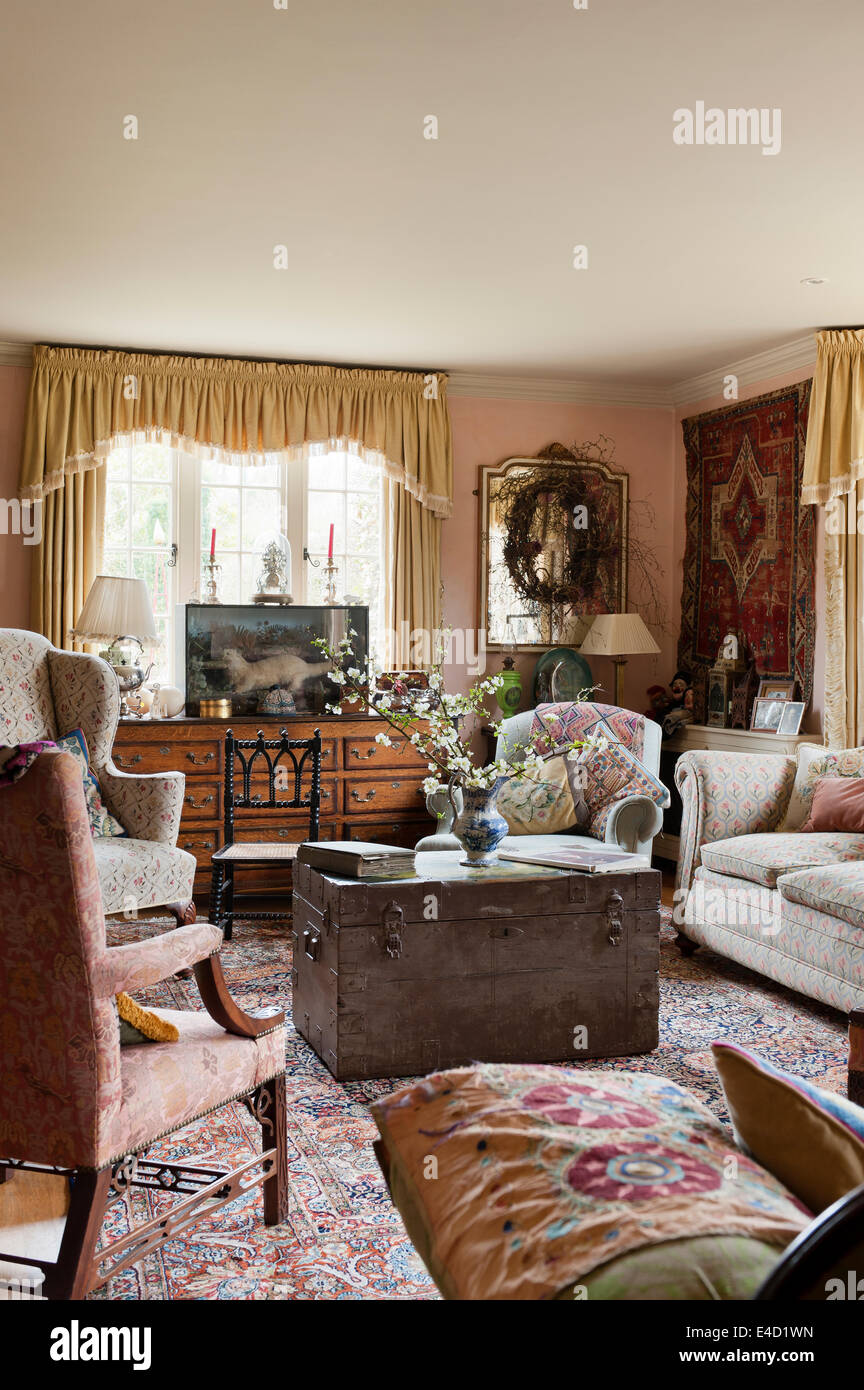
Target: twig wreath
point(563, 532)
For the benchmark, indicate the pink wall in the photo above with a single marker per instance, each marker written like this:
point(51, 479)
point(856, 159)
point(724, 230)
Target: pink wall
point(15, 556)
point(490, 430)
point(813, 717)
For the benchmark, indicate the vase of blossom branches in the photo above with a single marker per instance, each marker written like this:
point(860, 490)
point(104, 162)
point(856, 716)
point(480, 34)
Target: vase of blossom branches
point(439, 725)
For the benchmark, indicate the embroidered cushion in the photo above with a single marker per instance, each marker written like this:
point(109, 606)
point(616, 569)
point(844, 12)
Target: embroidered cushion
point(763, 858)
point(556, 726)
point(837, 804)
point(837, 891)
point(541, 805)
point(101, 820)
point(609, 775)
point(813, 762)
point(543, 1173)
point(811, 1140)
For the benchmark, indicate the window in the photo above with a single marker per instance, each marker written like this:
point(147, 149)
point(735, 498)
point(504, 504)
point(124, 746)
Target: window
point(159, 497)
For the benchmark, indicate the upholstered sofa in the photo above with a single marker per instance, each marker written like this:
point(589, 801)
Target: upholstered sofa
point(634, 819)
point(789, 905)
point(46, 693)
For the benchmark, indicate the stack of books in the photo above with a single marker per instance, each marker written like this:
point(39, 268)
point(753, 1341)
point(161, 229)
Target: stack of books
point(357, 859)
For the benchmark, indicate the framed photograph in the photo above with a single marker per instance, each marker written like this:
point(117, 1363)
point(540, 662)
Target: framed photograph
point(767, 714)
point(246, 653)
point(770, 689)
point(790, 719)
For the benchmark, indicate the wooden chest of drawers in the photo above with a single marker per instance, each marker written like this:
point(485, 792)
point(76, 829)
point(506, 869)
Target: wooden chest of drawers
point(368, 791)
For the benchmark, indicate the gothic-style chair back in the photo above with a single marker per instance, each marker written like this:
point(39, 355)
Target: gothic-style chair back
point(285, 763)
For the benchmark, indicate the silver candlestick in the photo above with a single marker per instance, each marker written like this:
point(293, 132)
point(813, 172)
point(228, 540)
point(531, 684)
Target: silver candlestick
point(212, 583)
point(330, 570)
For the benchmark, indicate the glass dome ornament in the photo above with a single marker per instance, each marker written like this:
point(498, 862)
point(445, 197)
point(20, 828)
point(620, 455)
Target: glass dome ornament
point(274, 574)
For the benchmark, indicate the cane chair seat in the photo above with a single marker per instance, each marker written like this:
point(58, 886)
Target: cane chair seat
point(257, 852)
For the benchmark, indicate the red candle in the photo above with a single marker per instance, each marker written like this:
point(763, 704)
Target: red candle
point(213, 545)
point(330, 547)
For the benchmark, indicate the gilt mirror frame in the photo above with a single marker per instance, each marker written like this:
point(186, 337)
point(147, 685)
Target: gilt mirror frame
point(545, 629)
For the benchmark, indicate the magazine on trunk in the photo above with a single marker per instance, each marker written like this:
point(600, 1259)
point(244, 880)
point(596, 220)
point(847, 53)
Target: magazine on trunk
point(585, 861)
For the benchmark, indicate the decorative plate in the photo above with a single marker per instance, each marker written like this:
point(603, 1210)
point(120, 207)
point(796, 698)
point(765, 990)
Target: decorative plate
point(559, 676)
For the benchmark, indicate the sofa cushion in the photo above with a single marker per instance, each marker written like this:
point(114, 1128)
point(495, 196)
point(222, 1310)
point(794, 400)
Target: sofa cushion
point(541, 804)
point(837, 890)
point(837, 804)
point(763, 858)
point(138, 874)
point(545, 1173)
point(608, 775)
point(810, 1139)
point(812, 762)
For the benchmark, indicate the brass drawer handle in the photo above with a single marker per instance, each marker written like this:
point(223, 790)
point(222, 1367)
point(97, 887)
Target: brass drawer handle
point(205, 801)
point(370, 753)
point(165, 751)
point(368, 797)
point(207, 758)
point(197, 844)
point(129, 762)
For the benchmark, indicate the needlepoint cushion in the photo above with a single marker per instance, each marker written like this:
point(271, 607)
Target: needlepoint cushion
point(811, 1140)
point(813, 762)
point(609, 775)
point(539, 805)
point(763, 858)
point(101, 820)
point(516, 1182)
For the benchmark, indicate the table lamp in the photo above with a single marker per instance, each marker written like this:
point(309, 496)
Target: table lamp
point(618, 635)
point(118, 611)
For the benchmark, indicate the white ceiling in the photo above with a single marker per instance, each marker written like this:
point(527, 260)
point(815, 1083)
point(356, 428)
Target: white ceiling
point(304, 126)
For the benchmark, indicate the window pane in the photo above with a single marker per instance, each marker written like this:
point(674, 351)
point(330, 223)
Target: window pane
point(362, 476)
point(327, 471)
point(362, 579)
point(150, 566)
point(116, 562)
point(325, 507)
point(117, 515)
point(118, 466)
point(151, 514)
point(262, 514)
point(230, 591)
point(213, 472)
point(363, 523)
point(220, 507)
point(151, 462)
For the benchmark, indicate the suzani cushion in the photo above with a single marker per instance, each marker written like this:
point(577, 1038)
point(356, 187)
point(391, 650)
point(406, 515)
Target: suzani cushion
point(811, 1140)
point(516, 1182)
point(608, 775)
point(813, 762)
point(101, 820)
point(539, 805)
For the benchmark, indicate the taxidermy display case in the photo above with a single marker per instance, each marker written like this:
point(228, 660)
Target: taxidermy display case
point(264, 659)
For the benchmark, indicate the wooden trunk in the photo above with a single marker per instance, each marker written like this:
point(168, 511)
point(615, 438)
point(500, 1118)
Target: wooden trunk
point(368, 791)
point(516, 964)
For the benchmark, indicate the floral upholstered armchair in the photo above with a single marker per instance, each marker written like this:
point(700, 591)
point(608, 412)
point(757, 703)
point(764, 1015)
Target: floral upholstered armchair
point(71, 1097)
point(45, 694)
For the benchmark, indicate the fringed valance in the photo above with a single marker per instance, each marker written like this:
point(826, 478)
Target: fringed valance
point(84, 403)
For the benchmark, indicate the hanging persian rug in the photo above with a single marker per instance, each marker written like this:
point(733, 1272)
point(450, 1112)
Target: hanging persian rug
point(749, 561)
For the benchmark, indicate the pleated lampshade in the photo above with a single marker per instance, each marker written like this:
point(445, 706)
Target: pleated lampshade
point(116, 607)
point(618, 634)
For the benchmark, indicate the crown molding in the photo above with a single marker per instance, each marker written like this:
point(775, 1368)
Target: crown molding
point(529, 388)
point(776, 361)
point(787, 357)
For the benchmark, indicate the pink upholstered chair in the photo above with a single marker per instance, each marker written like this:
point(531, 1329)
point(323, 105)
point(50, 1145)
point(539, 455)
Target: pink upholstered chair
point(46, 693)
point(70, 1097)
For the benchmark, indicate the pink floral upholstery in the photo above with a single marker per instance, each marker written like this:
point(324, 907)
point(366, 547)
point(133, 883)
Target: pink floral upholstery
point(838, 891)
point(147, 962)
point(763, 858)
point(46, 693)
point(726, 794)
point(68, 1096)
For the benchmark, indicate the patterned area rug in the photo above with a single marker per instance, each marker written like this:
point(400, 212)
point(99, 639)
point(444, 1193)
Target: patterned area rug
point(749, 560)
point(344, 1240)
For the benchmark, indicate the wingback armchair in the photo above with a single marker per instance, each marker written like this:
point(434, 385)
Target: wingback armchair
point(70, 1096)
point(46, 693)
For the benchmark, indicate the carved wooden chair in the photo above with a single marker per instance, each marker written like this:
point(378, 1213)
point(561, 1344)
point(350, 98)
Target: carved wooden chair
point(72, 1100)
point(284, 762)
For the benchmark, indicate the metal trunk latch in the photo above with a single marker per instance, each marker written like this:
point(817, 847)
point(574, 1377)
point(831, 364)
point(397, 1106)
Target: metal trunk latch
point(614, 904)
point(393, 920)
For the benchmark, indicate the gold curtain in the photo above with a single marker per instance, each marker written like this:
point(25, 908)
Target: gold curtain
point(412, 540)
point(84, 402)
point(834, 478)
point(834, 456)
